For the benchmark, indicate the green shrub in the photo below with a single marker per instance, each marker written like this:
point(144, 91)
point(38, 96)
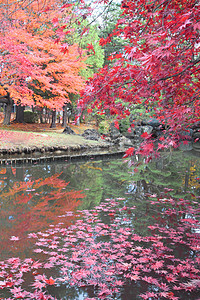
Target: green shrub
point(104, 126)
point(124, 125)
point(30, 117)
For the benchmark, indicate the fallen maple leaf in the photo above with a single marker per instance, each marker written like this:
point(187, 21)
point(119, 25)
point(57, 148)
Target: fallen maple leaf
point(50, 281)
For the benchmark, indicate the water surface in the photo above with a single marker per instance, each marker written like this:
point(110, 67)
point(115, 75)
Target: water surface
point(98, 218)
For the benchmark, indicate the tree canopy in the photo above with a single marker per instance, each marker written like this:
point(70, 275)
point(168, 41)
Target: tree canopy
point(158, 67)
point(37, 68)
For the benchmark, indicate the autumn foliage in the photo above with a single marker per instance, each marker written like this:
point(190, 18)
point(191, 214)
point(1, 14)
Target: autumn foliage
point(157, 69)
point(36, 68)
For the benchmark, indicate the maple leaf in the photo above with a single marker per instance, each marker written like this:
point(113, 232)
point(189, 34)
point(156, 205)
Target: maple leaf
point(157, 265)
point(116, 123)
point(104, 291)
point(55, 21)
point(36, 265)
point(38, 284)
point(134, 277)
point(148, 295)
point(91, 47)
point(64, 48)
point(16, 290)
point(161, 146)
point(50, 281)
point(129, 152)
point(145, 135)
point(171, 278)
point(66, 5)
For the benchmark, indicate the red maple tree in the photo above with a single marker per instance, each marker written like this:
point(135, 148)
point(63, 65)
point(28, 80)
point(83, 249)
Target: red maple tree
point(36, 68)
point(158, 68)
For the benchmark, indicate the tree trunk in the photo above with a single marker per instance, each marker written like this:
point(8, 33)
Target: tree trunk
point(8, 110)
point(53, 122)
point(79, 116)
point(48, 116)
point(41, 119)
point(19, 114)
point(45, 116)
point(64, 122)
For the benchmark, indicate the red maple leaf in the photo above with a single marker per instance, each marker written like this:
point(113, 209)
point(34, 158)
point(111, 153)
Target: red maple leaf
point(129, 152)
point(90, 47)
point(50, 281)
point(145, 135)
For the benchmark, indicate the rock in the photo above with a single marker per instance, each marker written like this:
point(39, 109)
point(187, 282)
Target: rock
point(130, 134)
point(91, 134)
point(124, 142)
point(114, 132)
point(196, 146)
point(156, 124)
point(107, 139)
point(147, 128)
point(196, 135)
point(36, 154)
point(196, 141)
point(152, 122)
point(138, 130)
point(68, 130)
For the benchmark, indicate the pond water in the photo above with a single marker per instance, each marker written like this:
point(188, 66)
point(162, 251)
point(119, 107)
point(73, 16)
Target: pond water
point(101, 229)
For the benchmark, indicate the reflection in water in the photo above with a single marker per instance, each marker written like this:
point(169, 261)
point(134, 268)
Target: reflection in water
point(121, 242)
point(29, 204)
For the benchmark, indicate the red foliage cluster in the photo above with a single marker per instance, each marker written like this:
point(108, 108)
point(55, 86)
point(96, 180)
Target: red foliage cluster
point(36, 67)
point(158, 68)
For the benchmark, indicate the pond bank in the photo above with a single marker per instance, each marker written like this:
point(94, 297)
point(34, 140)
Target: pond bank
point(68, 153)
point(31, 147)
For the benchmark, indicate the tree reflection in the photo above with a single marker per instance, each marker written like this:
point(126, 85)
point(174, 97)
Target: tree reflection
point(28, 206)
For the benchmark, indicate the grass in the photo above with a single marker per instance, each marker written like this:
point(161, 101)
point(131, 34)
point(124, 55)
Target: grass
point(41, 135)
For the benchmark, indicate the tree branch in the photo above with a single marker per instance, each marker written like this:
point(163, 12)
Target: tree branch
point(182, 72)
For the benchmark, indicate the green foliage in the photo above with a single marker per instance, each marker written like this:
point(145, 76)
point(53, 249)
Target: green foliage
point(110, 17)
point(95, 59)
point(30, 117)
point(140, 113)
point(104, 126)
point(124, 124)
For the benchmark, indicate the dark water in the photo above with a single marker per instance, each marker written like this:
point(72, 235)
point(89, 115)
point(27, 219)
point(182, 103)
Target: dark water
point(110, 210)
